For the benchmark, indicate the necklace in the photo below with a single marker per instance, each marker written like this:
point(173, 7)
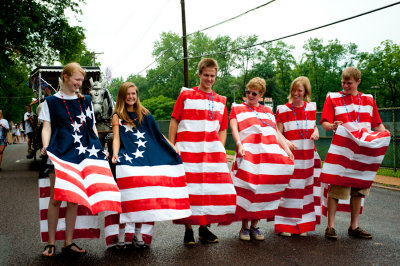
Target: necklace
point(297, 122)
point(210, 104)
point(359, 106)
point(69, 114)
point(259, 118)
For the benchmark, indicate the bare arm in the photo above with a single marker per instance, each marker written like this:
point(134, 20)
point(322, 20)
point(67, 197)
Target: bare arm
point(172, 145)
point(291, 145)
point(46, 135)
point(236, 137)
point(281, 140)
point(315, 134)
point(116, 139)
point(95, 130)
point(331, 126)
point(173, 129)
point(222, 136)
point(380, 128)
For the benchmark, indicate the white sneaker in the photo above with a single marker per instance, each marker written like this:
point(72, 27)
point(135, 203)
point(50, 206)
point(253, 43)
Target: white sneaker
point(285, 234)
point(303, 234)
point(244, 234)
point(138, 240)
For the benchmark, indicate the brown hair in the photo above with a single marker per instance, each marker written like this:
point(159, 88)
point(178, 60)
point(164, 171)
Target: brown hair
point(1, 114)
point(207, 62)
point(258, 84)
point(70, 69)
point(120, 108)
point(307, 88)
point(351, 72)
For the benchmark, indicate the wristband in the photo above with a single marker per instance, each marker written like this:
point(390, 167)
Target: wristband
point(238, 142)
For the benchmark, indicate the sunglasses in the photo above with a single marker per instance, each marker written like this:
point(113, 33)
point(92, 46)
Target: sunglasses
point(252, 93)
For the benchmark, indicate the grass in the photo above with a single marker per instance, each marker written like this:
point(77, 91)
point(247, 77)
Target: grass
point(388, 172)
point(230, 152)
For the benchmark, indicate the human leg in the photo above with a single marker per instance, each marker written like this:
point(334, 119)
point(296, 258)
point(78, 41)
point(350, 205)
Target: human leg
point(244, 233)
point(255, 232)
point(189, 236)
point(2, 147)
point(138, 237)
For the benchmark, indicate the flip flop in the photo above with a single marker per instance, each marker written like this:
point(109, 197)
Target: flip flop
point(70, 252)
point(52, 250)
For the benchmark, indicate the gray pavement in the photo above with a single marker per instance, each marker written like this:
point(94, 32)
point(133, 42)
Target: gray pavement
point(20, 240)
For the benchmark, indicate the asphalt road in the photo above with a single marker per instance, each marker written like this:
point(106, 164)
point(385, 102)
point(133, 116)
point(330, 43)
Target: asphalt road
point(20, 240)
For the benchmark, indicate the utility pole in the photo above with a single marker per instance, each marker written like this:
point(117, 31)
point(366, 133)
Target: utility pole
point(94, 57)
point(185, 61)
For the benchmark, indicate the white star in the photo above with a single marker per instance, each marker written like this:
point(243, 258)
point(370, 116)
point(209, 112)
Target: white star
point(93, 151)
point(81, 148)
point(76, 137)
point(139, 135)
point(141, 143)
point(120, 121)
point(105, 153)
point(127, 158)
point(82, 117)
point(138, 153)
point(128, 128)
point(76, 126)
point(89, 113)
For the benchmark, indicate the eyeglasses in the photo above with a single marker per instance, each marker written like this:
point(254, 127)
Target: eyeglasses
point(252, 93)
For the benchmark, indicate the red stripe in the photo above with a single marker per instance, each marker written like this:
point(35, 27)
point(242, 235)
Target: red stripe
point(44, 192)
point(82, 211)
point(344, 181)
point(261, 139)
point(64, 166)
point(350, 144)
point(289, 212)
point(267, 158)
point(295, 134)
point(101, 187)
point(70, 196)
point(212, 200)
point(262, 179)
point(351, 164)
point(364, 117)
point(203, 157)
point(188, 114)
point(111, 219)
point(155, 204)
point(296, 229)
point(106, 205)
point(60, 174)
point(149, 181)
point(251, 121)
point(210, 178)
point(197, 136)
point(94, 169)
point(303, 173)
point(258, 198)
point(266, 214)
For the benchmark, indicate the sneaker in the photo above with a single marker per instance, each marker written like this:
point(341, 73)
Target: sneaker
point(189, 238)
point(303, 234)
point(360, 233)
point(137, 240)
point(330, 233)
point(206, 235)
point(256, 234)
point(244, 234)
point(287, 234)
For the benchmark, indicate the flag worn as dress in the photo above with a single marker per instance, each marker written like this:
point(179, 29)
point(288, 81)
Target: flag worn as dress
point(83, 174)
point(261, 176)
point(201, 116)
point(150, 174)
point(297, 206)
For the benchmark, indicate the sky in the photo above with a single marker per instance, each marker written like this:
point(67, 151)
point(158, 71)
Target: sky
point(125, 30)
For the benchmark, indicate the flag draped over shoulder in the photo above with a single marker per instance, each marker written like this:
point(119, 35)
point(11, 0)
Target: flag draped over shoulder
point(83, 174)
point(86, 225)
point(111, 228)
point(354, 157)
point(150, 174)
point(262, 175)
point(201, 117)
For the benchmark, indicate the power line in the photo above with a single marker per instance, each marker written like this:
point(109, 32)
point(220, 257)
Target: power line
point(230, 19)
point(295, 34)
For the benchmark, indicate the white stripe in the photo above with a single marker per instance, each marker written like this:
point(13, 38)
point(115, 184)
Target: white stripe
point(204, 104)
point(311, 106)
point(256, 207)
point(154, 192)
point(154, 215)
point(340, 170)
point(260, 115)
point(211, 189)
point(68, 186)
point(303, 164)
point(348, 153)
point(259, 189)
point(82, 222)
point(257, 129)
point(94, 179)
point(206, 167)
point(156, 170)
point(198, 147)
point(86, 162)
point(213, 210)
point(292, 125)
point(259, 148)
point(376, 143)
point(267, 168)
point(105, 195)
point(198, 125)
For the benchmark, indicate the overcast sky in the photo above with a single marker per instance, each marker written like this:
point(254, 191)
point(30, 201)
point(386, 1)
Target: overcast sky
point(125, 30)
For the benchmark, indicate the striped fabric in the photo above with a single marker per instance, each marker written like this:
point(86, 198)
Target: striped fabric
point(317, 187)
point(89, 183)
point(211, 192)
point(354, 157)
point(261, 176)
point(86, 224)
point(111, 229)
point(343, 205)
point(297, 207)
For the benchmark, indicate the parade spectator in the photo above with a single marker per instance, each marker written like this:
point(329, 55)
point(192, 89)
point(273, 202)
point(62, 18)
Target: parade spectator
point(262, 168)
point(18, 132)
point(28, 128)
point(139, 144)
point(296, 120)
point(4, 127)
point(13, 126)
point(348, 108)
point(198, 129)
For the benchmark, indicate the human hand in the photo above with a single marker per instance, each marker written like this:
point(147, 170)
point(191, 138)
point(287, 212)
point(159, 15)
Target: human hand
point(291, 145)
point(335, 125)
point(43, 151)
point(176, 150)
point(290, 154)
point(114, 158)
point(241, 150)
point(314, 136)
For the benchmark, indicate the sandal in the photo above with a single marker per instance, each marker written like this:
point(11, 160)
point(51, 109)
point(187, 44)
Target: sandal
point(70, 252)
point(51, 252)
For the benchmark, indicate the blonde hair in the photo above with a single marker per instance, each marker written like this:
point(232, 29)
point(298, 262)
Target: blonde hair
point(70, 69)
point(351, 72)
point(207, 62)
point(257, 84)
point(307, 88)
point(120, 107)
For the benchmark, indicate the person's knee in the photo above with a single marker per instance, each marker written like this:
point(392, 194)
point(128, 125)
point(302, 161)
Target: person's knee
point(55, 203)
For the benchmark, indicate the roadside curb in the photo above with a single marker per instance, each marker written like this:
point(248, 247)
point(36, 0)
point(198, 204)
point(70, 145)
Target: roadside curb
point(385, 186)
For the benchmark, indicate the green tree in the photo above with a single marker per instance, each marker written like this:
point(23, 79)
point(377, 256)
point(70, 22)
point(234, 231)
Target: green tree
point(160, 107)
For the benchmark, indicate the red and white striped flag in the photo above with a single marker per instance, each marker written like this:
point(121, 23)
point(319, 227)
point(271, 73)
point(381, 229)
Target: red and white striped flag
point(354, 158)
point(111, 229)
point(343, 205)
point(317, 187)
point(86, 223)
